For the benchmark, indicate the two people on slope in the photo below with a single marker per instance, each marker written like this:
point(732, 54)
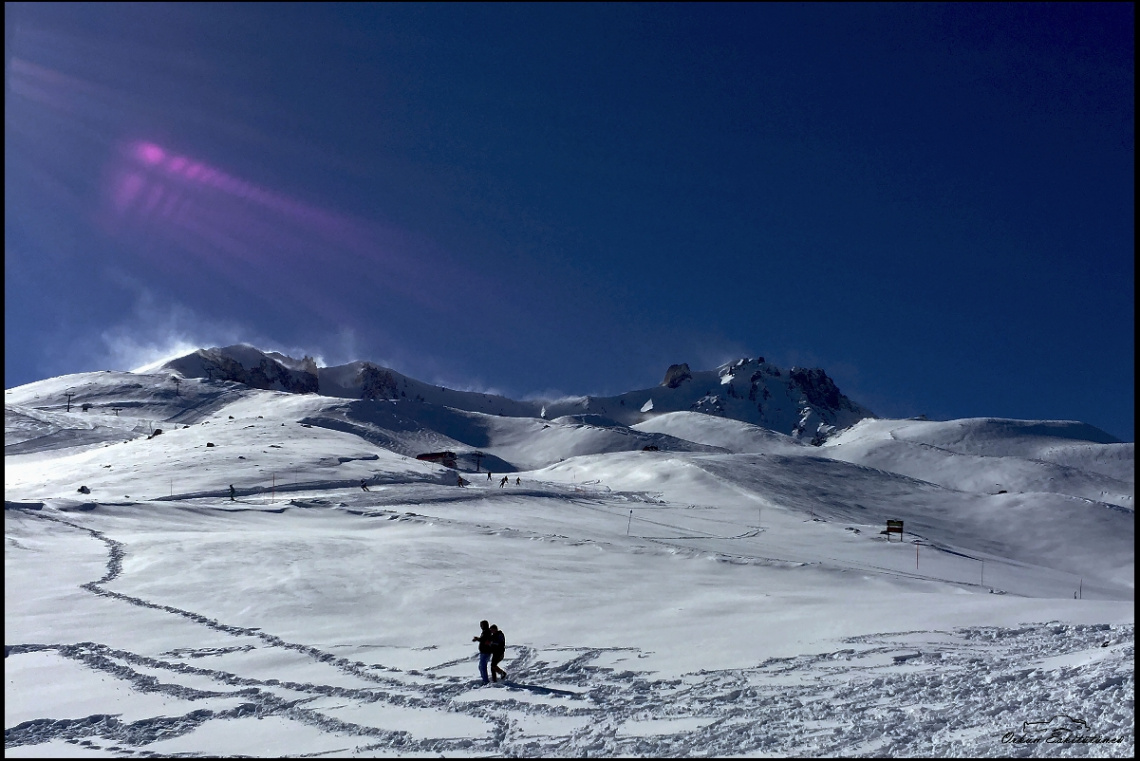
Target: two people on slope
point(492, 647)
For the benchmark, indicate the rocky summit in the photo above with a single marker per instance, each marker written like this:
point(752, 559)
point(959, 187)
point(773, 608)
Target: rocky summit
point(801, 402)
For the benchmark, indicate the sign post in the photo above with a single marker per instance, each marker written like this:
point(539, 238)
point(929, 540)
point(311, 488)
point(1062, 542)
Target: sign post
point(894, 527)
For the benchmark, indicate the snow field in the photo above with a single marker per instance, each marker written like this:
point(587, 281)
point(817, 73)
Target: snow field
point(662, 652)
point(736, 601)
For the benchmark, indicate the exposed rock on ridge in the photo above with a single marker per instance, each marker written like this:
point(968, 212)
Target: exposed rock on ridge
point(676, 375)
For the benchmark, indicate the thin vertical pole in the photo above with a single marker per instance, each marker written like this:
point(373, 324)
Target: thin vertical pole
point(916, 555)
point(273, 490)
point(983, 572)
point(630, 523)
point(1081, 589)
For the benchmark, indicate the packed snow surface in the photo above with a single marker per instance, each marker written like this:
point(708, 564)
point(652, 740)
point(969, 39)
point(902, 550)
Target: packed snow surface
point(691, 585)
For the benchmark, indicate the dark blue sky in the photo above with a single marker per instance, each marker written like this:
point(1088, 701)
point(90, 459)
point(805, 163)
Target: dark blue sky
point(932, 202)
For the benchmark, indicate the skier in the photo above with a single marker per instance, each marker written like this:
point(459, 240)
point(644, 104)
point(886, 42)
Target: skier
point(498, 650)
point(518, 481)
point(484, 640)
point(232, 493)
point(488, 475)
point(503, 482)
point(363, 484)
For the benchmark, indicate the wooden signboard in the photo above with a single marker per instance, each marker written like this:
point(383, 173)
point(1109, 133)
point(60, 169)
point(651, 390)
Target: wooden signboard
point(894, 527)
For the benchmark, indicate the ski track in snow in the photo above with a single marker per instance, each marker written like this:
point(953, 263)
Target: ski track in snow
point(945, 693)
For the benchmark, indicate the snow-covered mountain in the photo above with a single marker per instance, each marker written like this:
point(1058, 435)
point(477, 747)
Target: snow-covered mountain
point(324, 608)
point(801, 402)
point(407, 418)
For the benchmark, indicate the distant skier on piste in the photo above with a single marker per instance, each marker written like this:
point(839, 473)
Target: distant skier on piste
point(363, 484)
point(232, 492)
point(503, 482)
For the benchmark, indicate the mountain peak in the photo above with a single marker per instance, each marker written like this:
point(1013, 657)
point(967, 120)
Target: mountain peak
point(242, 363)
point(801, 402)
point(676, 375)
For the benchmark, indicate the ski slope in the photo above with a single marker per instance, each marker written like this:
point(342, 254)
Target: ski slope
point(728, 593)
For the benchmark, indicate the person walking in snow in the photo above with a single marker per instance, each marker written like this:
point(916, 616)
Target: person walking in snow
point(503, 482)
point(489, 475)
point(498, 650)
point(484, 640)
point(364, 484)
point(232, 492)
point(518, 481)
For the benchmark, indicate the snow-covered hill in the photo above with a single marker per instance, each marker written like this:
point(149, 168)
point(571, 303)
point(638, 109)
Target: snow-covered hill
point(991, 456)
point(672, 582)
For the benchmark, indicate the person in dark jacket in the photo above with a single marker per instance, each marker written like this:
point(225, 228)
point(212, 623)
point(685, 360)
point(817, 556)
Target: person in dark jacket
point(498, 650)
point(232, 493)
point(484, 640)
